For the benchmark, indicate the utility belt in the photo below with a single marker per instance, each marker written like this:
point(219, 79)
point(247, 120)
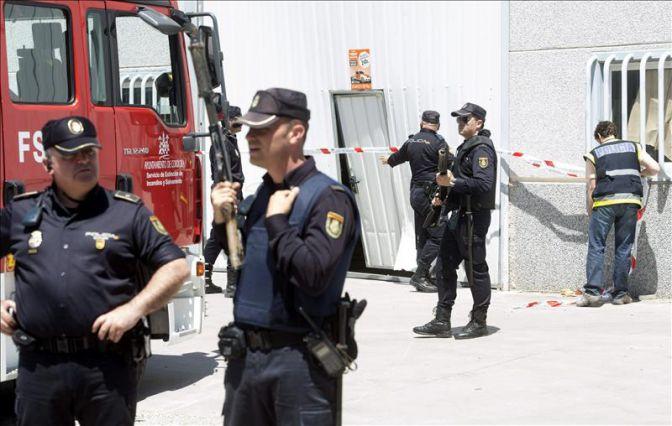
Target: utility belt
point(133, 346)
point(333, 346)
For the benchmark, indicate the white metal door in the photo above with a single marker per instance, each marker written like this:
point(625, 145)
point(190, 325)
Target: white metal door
point(361, 121)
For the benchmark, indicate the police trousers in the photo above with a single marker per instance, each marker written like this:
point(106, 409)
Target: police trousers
point(427, 241)
point(282, 386)
point(93, 388)
point(454, 250)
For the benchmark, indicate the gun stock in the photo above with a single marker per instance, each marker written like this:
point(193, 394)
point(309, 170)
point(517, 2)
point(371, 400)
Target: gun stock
point(223, 161)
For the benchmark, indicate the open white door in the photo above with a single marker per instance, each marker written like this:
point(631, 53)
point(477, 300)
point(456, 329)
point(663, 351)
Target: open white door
point(360, 120)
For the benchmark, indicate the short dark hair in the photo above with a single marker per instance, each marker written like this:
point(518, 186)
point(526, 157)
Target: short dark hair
point(605, 129)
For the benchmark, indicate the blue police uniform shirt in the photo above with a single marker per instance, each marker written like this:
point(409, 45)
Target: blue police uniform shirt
point(79, 264)
point(422, 152)
point(306, 257)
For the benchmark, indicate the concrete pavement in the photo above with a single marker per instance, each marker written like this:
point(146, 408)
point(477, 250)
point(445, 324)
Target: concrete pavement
point(540, 365)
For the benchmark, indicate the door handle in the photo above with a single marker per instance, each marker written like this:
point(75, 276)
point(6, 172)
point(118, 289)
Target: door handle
point(353, 183)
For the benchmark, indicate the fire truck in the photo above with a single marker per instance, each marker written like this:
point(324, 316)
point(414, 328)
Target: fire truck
point(101, 60)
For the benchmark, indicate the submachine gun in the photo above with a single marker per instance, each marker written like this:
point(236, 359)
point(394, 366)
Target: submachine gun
point(445, 162)
point(207, 60)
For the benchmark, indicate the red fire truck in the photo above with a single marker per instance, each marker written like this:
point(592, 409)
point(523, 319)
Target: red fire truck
point(99, 59)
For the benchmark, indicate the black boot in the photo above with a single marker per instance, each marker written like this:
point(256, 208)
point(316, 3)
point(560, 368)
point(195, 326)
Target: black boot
point(231, 280)
point(419, 280)
point(438, 327)
point(476, 326)
point(210, 288)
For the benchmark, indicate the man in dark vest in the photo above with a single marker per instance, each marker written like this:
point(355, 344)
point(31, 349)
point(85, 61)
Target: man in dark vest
point(299, 233)
point(421, 150)
point(212, 248)
point(613, 196)
point(472, 197)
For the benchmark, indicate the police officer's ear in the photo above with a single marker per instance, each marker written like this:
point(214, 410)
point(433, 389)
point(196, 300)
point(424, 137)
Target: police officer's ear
point(48, 166)
point(296, 132)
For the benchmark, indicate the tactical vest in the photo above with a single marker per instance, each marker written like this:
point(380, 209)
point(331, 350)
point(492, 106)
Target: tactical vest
point(264, 297)
point(617, 174)
point(461, 168)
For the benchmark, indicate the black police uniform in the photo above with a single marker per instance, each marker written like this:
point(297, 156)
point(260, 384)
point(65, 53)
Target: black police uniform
point(303, 260)
point(475, 183)
point(422, 152)
point(71, 266)
point(472, 198)
point(292, 262)
point(212, 248)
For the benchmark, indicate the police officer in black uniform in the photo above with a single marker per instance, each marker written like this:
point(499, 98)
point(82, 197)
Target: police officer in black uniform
point(421, 150)
point(299, 235)
point(77, 313)
point(212, 248)
point(472, 197)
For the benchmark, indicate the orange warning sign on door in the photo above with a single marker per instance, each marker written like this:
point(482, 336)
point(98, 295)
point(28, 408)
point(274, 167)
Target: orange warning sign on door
point(360, 69)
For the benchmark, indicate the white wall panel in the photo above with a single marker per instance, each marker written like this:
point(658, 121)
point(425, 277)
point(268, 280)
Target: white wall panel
point(425, 55)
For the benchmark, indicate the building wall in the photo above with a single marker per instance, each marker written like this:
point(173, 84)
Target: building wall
point(425, 55)
point(549, 45)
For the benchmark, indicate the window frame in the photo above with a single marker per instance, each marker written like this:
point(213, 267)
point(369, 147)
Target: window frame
point(176, 65)
point(109, 92)
point(599, 99)
point(70, 67)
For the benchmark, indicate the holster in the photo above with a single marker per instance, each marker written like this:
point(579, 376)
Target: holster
point(232, 344)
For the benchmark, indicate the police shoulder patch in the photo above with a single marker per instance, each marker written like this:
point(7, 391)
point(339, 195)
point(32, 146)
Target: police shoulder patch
point(334, 225)
point(483, 162)
point(25, 195)
point(156, 223)
point(127, 196)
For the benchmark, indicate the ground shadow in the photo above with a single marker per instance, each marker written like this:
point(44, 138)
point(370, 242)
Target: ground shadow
point(172, 372)
point(455, 330)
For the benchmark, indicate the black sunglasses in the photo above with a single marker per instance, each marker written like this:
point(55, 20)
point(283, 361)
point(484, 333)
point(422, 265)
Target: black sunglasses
point(464, 119)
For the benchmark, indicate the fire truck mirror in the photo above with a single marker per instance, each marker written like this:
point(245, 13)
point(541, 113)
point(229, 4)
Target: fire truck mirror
point(159, 21)
point(190, 144)
point(213, 55)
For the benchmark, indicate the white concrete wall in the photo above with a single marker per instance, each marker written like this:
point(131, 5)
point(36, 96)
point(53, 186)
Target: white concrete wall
point(550, 43)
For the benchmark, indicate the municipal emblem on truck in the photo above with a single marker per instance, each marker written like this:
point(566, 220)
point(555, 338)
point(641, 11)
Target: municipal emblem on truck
point(76, 127)
point(164, 145)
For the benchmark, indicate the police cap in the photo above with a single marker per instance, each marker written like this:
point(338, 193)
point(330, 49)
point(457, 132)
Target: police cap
point(69, 134)
point(470, 109)
point(431, 117)
point(269, 105)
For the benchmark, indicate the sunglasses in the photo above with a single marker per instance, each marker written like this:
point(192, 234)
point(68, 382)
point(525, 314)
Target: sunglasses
point(464, 119)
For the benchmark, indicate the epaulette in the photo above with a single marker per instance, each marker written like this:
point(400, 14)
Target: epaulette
point(337, 188)
point(26, 195)
point(127, 196)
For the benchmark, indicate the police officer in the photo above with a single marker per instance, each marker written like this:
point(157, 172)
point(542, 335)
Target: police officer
point(473, 181)
point(212, 248)
point(421, 150)
point(78, 308)
point(299, 234)
point(613, 197)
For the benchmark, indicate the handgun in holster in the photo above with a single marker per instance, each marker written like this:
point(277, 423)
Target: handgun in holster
point(231, 342)
point(336, 357)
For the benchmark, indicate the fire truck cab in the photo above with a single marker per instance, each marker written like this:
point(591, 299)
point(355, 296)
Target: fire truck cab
point(99, 59)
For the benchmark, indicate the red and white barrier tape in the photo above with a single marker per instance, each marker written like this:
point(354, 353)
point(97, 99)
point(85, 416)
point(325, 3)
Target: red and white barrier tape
point(553, 166)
